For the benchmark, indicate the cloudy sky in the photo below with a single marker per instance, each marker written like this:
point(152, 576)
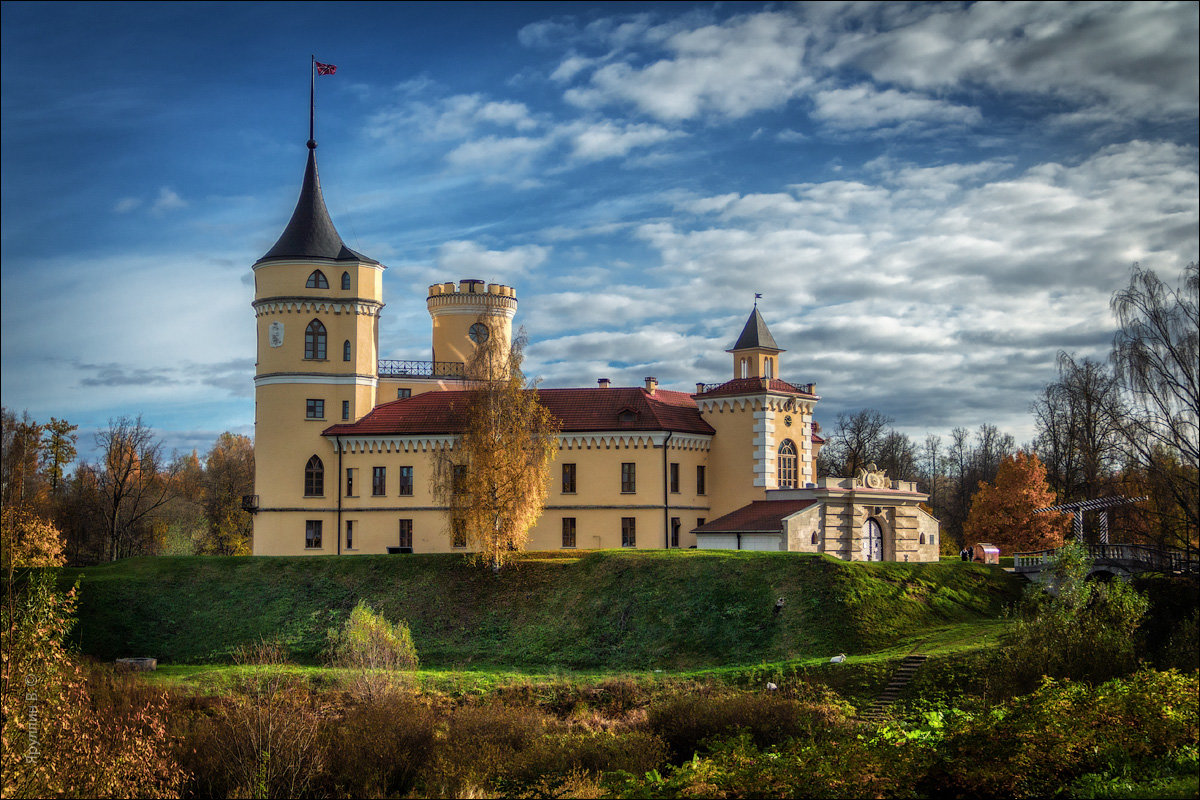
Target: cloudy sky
point(933, 199)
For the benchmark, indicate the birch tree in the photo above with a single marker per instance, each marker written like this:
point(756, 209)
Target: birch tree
point(494, 479)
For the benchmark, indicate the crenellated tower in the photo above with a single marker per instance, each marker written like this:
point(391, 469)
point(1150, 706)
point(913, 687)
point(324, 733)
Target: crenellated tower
point(466, 314)
point(317, 304)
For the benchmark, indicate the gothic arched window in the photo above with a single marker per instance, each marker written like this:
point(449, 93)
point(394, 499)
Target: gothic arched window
point(314, 478)
point(770, 368)
point(345, 280)
point(346, 351)
point(317, 280)
point(314, 340)
point(787, 464)
point(745, 369)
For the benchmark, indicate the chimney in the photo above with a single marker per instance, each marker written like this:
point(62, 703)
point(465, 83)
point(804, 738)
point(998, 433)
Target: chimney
point(699, 388)
point(651, 384)
point(603, 382)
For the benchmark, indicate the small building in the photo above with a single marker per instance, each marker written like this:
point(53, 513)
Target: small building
point(865, 518)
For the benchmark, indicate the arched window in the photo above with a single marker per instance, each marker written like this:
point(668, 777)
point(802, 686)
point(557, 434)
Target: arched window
point(787, 465)
point(922, 538)
point(317, 280)
point(314, 340)
point(745, 369)
point(770, 368)
point(346, 280)
point(814, 537)
point(346, 351)
point(314, 478)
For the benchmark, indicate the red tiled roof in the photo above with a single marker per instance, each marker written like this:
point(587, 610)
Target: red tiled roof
point(761, 516)
point(578, 410)
point(753, 386)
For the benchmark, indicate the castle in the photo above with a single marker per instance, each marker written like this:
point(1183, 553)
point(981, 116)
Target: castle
point(343, 440)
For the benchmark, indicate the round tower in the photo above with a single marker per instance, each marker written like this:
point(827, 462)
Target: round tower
point(317, 305)
point(466, 314)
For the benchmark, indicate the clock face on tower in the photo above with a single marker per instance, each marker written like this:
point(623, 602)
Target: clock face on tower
point(478, 333)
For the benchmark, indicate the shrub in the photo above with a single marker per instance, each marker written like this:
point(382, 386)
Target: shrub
point(72, 729)
point(380, 747)
point(1039, 742)
point(263, 742)
point(1076, 628)
point(684, 722)
point(478, 745)
point(381, 654)
point(592, 753)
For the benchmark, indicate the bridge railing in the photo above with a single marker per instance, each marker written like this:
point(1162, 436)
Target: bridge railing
point(1140, 556)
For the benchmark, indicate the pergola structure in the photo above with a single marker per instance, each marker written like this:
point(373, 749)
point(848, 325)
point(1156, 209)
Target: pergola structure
point(1102, 505)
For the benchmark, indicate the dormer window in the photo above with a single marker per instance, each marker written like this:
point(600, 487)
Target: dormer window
point(317, 280)
point(627, 416)
point(346, 281)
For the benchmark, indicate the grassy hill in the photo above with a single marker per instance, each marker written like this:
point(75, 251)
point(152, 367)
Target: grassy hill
point(606, 609)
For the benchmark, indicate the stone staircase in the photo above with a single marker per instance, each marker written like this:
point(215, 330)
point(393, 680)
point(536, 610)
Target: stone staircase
point(900, 678)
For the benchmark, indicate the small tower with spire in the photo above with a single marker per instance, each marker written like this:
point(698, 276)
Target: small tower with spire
point(317, 305)
point(763, 424)
point(755, 354)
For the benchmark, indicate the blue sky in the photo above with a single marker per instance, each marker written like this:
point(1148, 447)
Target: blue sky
point(933, 199)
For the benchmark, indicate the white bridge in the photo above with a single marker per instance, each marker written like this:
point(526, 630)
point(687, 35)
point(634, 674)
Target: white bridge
point(1111, 560)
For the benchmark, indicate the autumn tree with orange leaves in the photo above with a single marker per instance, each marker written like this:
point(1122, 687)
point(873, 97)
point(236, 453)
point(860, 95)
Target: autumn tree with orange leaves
point(1002, 514)
point(494, 479)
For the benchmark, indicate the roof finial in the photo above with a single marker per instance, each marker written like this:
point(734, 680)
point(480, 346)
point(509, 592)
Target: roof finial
point(757, 297)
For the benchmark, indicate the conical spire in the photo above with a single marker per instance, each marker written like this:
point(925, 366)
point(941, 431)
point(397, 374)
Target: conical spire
point(310, 233)
point(756, 335)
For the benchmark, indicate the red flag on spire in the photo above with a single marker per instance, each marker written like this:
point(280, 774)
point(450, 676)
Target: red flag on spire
point(326, 69)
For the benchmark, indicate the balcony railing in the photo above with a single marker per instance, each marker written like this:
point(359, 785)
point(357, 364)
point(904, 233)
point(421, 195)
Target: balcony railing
point(393, 368)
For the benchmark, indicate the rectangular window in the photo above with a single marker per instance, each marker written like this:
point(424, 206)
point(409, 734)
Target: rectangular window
point(314, 409)
point(345, 409)
point(699, 521)
point(349, 482)
point(349, 534)
point(700, 485)
point(568, 532)
point(628, 532)
point(406, 533)
point(406, 481)
point(403, 393)
point(378, 481)
point(459, 533)
point(674, 479)
point(568, 484)
point(458, 479)
point(628, 478)
point(676, 524)
point(312, 534)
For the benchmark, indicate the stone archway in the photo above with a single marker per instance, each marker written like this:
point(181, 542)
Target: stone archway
point(872, 540)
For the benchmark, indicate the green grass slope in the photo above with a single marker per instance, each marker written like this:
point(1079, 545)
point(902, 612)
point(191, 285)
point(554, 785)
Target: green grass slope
point(606, 609)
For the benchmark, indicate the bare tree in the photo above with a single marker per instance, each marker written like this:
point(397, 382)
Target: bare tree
point(856, 442)
point(495, 478)
point(1155, 353)
point(131, 483)
point(1079, 419)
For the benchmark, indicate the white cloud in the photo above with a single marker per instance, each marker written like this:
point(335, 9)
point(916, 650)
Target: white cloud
point(594, 141)
point(864, 106)
point(1126, 57)
point(471, 259)
point(126, 204)
point(493, 153)
point(167, 200)
point(749, 63)
point(456, 117)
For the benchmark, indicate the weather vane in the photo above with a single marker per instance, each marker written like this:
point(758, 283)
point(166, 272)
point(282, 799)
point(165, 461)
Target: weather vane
point(757, 297)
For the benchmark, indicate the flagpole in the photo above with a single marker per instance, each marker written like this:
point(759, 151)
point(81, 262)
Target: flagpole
point(312, 96)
